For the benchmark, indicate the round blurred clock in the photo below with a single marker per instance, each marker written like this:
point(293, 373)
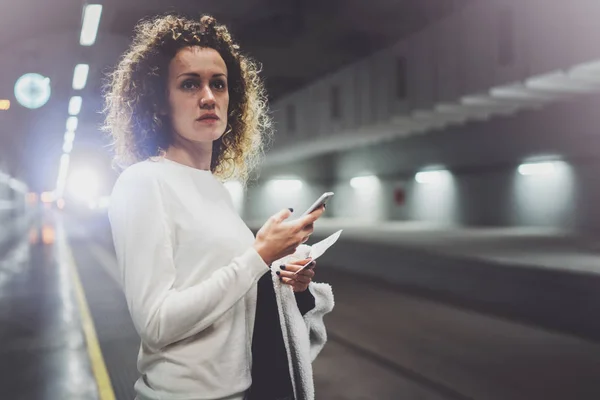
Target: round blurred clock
point(32, 90)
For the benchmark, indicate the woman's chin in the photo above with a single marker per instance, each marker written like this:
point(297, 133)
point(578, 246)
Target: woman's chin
point(207, 135)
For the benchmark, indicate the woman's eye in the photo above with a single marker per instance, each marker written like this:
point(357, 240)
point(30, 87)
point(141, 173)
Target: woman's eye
point(219, 84)
point(189, 84)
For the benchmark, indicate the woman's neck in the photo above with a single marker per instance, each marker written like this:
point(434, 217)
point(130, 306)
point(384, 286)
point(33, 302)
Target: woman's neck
point(199, 158)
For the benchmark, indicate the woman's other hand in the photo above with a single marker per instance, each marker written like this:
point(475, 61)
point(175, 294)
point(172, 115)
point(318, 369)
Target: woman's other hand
point(299, 282)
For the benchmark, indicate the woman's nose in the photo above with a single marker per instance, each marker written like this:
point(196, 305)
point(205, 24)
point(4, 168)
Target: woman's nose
point(207, 99)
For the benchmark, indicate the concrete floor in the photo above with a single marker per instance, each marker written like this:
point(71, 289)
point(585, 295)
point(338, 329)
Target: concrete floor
point(43, 353)
point(449, 352)
point(383, 342)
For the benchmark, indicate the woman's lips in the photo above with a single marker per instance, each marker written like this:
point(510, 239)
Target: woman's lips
point(209, 120)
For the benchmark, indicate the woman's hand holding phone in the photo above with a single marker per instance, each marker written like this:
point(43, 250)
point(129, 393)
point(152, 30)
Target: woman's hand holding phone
point(278, 238)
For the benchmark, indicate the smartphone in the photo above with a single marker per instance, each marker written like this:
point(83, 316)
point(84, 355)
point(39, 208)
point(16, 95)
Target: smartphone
point(322, 200)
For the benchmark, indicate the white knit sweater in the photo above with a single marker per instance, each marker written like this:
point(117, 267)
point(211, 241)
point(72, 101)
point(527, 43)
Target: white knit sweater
point(189, 273)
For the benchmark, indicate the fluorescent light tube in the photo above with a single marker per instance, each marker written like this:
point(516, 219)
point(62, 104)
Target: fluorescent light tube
point(91, 20)
point(80, 75)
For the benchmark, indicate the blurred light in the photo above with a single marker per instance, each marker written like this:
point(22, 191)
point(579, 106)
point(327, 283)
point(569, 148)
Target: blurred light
point(32, 90)
point(72, 124)
point(544, 191)
point(539, 168)
point(364, 182)
point(62, 175)
point(587, 72)
point(519, 92)
point(481, 100)
point(83, 185)
point(286, 184)
point(33, 236)
point(92, 205)
point(32, 198)
point(80, 75)
point(69, 136)
point(75, 105)
point(104, 202)
point(434, 196)
point(431, 176)
point(47, 197)
point(91, 20)
point(60, 203)
point(17, 185)
point(48, 234)
point(4, 105)
point(67, 147)
point(558, 82)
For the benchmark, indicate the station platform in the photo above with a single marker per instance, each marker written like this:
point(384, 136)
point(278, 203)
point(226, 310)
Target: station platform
point(539, 247)
point(545, 276)
point(398, 331)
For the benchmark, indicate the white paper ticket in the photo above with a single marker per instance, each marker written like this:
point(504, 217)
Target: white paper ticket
point(318, 249)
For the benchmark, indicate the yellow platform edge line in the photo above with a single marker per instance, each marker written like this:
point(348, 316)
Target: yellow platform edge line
point(105, 389)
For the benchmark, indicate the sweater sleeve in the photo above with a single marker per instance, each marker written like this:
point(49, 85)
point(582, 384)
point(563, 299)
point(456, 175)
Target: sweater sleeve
point(142, 236)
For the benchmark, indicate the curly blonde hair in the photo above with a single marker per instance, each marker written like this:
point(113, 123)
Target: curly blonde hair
point(135, 93)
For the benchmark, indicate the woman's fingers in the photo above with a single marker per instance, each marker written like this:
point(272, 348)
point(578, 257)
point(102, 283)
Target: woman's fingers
point(295, 270)
point(303, 276)
point(299, 280)
point(297, 265)
point(296, 286)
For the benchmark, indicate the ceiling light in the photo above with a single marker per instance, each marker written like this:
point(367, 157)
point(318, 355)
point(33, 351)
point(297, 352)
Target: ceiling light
point(69, 136)
point(62, 174)
point(72, 124)
point(80, 75)
point(519, 93)
point(91, 20)
point(32, 90)
point(558, 82)
point(84, 185)
point(67, 147)
point(75, 105)
point(364, 182)
point(431, 176)
point(539, 168)
point(587, 72)
point(4, 105)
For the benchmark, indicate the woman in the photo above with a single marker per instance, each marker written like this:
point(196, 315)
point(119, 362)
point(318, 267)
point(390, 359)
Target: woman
point(187, 110)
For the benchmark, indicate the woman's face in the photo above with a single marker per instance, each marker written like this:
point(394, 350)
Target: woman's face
point(197, 94)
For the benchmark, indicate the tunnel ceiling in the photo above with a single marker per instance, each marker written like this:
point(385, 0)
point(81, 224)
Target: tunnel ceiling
point(296, 41)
